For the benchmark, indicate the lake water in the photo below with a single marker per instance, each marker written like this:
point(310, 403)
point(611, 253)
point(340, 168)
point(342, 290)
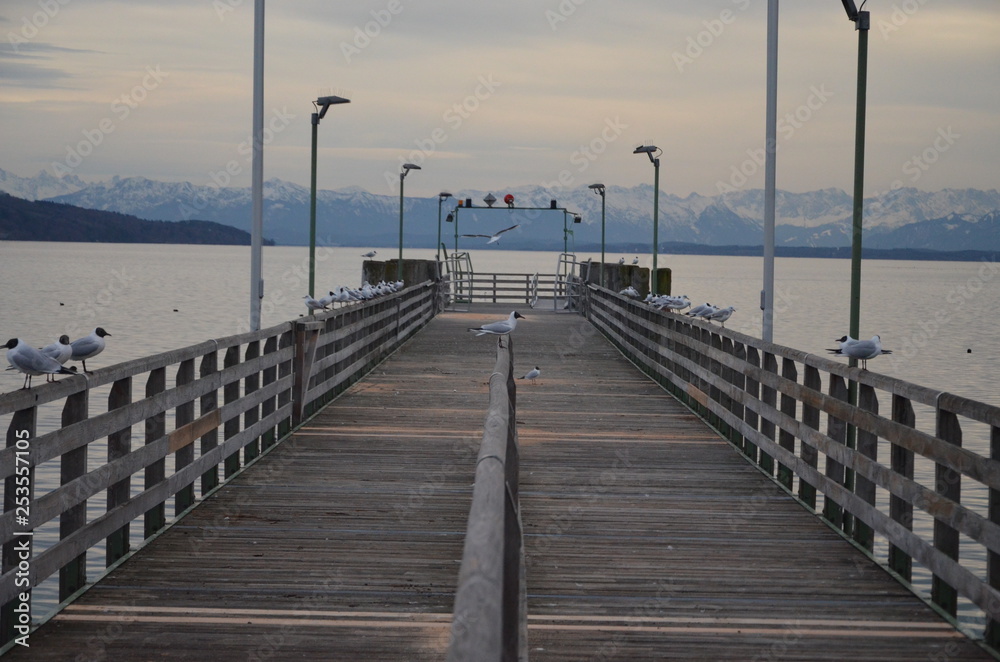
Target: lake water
point(938, 317)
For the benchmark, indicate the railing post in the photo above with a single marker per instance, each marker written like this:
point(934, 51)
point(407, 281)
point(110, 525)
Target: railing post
point(269, 406)
point(786, 439)
point(810, 418)
point(867, 446)
point(750, 416)
point(285, 369)
point(231, 427)
point(22, 429)
point(992, 634)
point(119, 445)
point(900, 509)
point(73, 464)
point(156, 426)
point(948, 483)
point(306, 339)
point(251, 384)
point(836, 429)
point(770, 398)
point(184, 414)
point(209, 402)
point(738, 379)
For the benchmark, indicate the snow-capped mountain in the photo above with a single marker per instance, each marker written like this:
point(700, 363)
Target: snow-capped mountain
point(959, 219)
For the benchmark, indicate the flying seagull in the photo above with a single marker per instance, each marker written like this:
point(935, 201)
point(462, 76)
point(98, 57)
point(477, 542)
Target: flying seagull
point(493, 238)
point(500, 328)
point(89, 346)
point(30, 361)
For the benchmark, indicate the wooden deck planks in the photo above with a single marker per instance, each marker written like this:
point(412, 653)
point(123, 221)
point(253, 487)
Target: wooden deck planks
point(647, 537)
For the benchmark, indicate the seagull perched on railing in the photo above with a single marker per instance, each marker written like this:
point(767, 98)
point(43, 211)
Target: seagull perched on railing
point(89, 346)
point(501, 328)
point(720, 315)
point(493, 238)
point(30, 361)
point(860, 349)
point(60, 350)
point(369, 254)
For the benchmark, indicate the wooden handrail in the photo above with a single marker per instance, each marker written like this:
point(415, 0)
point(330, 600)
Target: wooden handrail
point(489, 622)
point(752, 392)
point(269, 382)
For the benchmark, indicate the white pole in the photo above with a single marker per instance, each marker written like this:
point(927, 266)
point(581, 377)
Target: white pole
point(257, 183)
point(771, 112)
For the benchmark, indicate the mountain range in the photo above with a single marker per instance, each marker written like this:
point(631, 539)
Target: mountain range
point(950, 219)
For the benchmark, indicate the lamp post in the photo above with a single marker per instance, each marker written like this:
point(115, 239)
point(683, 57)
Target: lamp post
point(442, 196)
point(649, 150)
point(257, 170)
point(407, 167)
point(862, 23)
point(770, 171)
point(600, 190)
point(322, 104)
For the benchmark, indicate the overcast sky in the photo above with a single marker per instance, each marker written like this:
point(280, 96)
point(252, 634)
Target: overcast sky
point(491, 95)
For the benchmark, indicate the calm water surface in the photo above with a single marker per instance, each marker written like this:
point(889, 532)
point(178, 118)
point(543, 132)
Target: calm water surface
point(937, 317)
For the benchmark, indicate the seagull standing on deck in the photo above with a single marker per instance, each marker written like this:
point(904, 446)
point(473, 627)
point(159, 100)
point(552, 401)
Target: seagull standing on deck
point(30, 361)
point(501, 328)
point(89, 346)
point(532, 374)
point(495, 237)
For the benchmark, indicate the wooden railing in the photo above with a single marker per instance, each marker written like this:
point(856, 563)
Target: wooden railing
point(770, 402)
point(515, 288)
point(239, 394)
point(489, 622)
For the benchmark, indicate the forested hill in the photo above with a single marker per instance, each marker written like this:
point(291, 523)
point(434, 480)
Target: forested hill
point(24, 220)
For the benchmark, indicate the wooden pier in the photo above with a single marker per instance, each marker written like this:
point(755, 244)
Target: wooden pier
point(647, 535)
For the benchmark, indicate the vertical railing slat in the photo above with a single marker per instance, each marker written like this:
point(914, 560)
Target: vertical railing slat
point(786, 439)
point(22, 428)
point(810, 417)
point(901, 510)
point(948, 483)
point(836, 429)
point(868, 446)
point(231, 426)
point(119, 445)
point(770, 398)
point(753, 393)
point(992, 634)
point(209, 402)
point(72, 465)
point(184, 414)
point(156, 426)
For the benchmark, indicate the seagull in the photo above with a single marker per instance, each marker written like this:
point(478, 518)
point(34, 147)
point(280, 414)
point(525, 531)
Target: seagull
point(860, 349)
point(636, 260)
point(630, 292)
point(60, 350)
point(699, 309)
point(25, 358)
point(313, 304)
point(621, 261)
point(369, 254)
point(89, 346)
point(493, 238)
point(720, 315)
point(532, 374)
point(500, 328)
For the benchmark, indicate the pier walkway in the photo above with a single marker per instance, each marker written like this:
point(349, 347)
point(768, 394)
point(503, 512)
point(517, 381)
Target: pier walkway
point(647, 535)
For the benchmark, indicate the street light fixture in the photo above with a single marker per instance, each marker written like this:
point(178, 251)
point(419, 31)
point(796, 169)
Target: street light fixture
point(442, 196)
point(407, 167)
point(322, 104)
point(600, 190)
point(649, 150)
